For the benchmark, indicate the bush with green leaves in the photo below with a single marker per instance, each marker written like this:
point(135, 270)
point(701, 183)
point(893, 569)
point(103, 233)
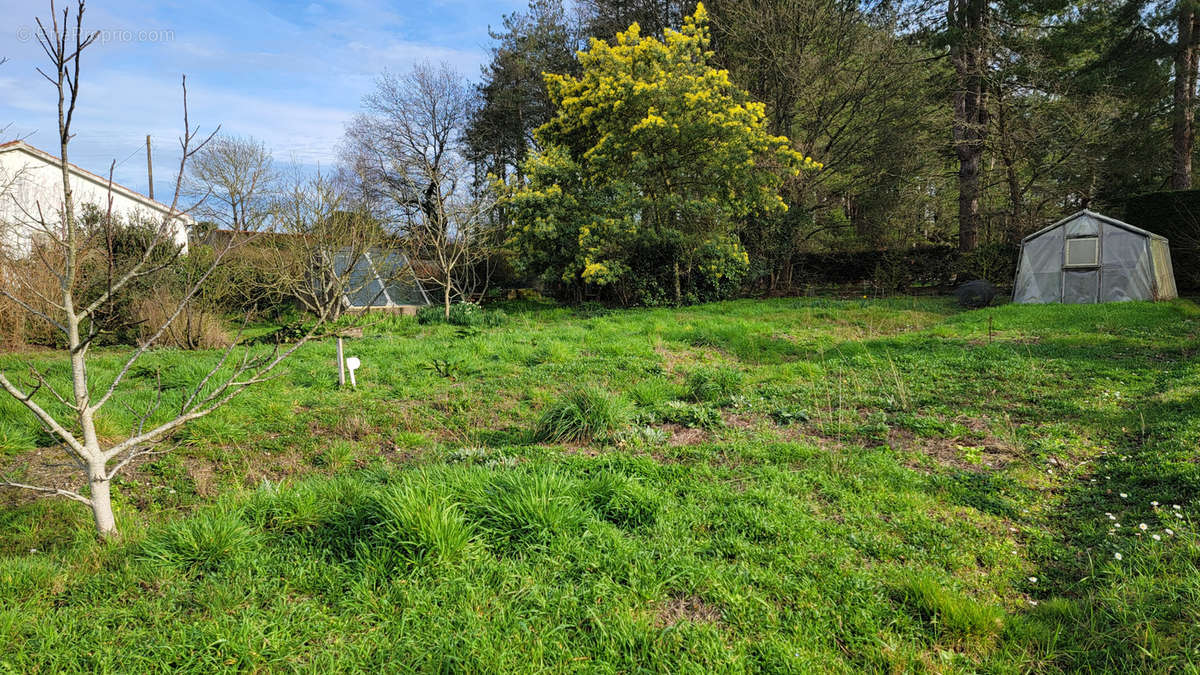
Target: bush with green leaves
point(582, 414)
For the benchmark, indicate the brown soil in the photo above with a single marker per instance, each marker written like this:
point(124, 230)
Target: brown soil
point(679, 608)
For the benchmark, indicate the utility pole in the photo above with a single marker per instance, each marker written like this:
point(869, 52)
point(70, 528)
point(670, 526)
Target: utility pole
point(149, 167)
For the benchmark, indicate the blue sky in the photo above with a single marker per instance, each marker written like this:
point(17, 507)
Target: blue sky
point(288, 73)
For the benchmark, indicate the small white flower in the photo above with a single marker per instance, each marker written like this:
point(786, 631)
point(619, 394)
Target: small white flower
point(1179, 516)
point(1110, 516)
point(1123, 495)
point(33, 550)
point(1033, 580)
point(1117, 555)
point(1093, 480)
point(1143, 527)
point(1170, 532)
point(1175, 506)
point(1116, 524)
point(1155, 537)
point(1033, 602)
point(1154, 504)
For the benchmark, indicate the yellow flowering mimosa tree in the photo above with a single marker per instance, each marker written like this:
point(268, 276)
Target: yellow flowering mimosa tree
point(651, 159)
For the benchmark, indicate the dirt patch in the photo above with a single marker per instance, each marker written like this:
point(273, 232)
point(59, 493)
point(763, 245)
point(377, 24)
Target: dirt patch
point(43, 467)
point(681, 435)
point(52, 468)
point(988, 454)
point(691, 608)
point(744, 422)
point(204, 477)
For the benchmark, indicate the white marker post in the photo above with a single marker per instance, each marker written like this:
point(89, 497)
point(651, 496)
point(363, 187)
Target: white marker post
point(352, 365)
point(341, 356)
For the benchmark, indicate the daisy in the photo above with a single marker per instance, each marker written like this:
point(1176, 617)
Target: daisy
point(1155, 537)
point(1170, 532)
point(1117, 555)
point(1033, 580)
point(1123, 495)
point(1154, 504)
point(1143, 527)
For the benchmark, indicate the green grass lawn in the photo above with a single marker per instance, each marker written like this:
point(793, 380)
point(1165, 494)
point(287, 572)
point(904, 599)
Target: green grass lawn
point(793, 485)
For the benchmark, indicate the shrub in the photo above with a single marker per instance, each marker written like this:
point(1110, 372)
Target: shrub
point(582, 415)
point(196, 327)
point(714, 385)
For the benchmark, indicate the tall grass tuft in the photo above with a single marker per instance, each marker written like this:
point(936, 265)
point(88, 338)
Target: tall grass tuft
point(714, 385)
point(621, 500)
point(952, 611)
point(582, 415)
point(527, 508)
point(421, 526)
point(205, 542)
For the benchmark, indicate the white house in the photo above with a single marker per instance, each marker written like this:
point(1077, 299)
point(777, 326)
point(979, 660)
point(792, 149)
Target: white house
point(31, 179)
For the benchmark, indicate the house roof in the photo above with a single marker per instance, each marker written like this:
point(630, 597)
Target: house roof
point(105, 183)
point(1098, 216)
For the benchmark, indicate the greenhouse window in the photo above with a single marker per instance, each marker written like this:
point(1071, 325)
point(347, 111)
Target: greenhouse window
point(1083, 252)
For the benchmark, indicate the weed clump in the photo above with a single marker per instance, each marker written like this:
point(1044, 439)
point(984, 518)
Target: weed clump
point(621, 500)
point(955, 613)
point(421, 526)
point(691, 415)
point(582, 415)
point(463, 314)
point(714, 385)
point(526, 509)
point(205, 542)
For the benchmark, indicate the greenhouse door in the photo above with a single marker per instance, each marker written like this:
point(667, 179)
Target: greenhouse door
point(1081, 286)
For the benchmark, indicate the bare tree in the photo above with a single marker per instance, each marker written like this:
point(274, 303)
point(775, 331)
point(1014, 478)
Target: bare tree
point(327, 246)
point(408, 149)
point(234, 179)
point(62, 248)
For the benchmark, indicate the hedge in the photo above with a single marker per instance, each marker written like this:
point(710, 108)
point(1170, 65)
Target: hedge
point(1176, 216)
point(891, 270)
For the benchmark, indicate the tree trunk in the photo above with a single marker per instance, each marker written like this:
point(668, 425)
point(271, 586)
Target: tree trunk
point(968, 52)
point(446, 298)
point(101, 496)
point(678, 288)
point(1182, 129)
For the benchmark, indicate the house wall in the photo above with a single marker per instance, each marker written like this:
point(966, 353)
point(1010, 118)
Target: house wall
point(30, 181)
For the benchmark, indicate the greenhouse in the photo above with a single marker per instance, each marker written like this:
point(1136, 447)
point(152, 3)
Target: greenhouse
point(1090, 258)
point(379, 280)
